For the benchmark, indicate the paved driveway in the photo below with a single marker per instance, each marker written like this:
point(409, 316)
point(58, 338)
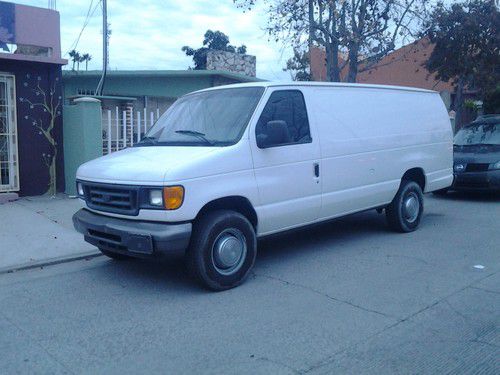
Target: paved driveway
point(344, 297)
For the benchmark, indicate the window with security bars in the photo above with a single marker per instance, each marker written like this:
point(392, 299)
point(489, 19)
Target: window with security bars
point(9, 169)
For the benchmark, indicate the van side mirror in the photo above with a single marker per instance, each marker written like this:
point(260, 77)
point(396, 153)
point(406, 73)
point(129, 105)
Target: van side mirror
point(273, 133)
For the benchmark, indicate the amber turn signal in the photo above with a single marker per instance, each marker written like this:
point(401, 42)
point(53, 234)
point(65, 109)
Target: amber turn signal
point(173, 196)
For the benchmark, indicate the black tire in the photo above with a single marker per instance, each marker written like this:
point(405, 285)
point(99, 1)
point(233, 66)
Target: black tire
point(201, 256)
point(441, 192)
point(115, 256)
point(398, 213)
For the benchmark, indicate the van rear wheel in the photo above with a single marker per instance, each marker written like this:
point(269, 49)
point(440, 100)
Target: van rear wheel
point(405, 211)
point(222, 250)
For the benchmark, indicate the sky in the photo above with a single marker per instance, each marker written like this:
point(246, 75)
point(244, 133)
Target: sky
point(149, 34)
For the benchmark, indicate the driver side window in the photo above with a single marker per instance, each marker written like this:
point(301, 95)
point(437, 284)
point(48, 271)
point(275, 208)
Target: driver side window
point(283, 121)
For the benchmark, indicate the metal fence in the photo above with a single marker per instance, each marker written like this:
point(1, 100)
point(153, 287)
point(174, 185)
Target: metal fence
point(9, 167)
point(122, 127)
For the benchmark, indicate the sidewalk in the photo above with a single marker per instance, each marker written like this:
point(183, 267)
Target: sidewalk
point(36, 231)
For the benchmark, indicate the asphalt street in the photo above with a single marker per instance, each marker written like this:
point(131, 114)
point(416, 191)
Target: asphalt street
point(347, 297)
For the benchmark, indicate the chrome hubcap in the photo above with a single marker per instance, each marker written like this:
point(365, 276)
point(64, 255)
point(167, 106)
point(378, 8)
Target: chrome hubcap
point(411, 207)
point(229, 251)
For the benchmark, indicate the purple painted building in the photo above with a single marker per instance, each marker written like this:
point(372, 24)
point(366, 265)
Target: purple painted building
point(31, 154)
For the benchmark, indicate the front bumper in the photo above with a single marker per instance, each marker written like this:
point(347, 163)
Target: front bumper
point(131, 237)
point(487, 180)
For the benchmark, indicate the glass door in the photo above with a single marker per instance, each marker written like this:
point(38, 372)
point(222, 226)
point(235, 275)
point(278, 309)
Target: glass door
point(9, 168)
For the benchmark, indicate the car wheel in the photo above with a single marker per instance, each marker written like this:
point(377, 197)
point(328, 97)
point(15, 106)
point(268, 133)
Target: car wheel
point(115, 256)
point(222, 250)
point(405, 211)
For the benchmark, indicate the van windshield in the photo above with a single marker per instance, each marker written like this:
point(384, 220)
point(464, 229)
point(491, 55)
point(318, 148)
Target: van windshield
point(211, 118)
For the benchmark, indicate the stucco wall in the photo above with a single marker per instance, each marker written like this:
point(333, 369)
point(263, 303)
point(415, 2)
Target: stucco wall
point(232, 62)
point(34, 31)
point(82, 137)
point(38, 27)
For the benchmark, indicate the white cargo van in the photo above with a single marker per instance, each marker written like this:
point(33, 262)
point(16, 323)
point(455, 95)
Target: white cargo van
point(226, 165)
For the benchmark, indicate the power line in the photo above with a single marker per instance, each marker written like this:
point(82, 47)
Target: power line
point(90, 13)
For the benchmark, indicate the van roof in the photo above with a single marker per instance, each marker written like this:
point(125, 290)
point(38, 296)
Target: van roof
point(319, 84)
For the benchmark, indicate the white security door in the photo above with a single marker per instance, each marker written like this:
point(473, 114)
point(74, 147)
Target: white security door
point(9, 168)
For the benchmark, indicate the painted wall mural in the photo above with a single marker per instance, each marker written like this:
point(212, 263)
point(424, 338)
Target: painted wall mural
point(49, 100)
point(39, 126)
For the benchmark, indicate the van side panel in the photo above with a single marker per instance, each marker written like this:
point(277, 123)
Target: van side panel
point(370, 137)
point(289, 192)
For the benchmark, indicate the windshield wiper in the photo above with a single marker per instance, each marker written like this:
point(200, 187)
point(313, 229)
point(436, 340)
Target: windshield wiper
point(197, 135)
point(148, 140)
point(478, 144)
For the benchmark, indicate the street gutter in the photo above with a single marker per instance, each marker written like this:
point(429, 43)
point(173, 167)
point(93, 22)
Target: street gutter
point(50, 262)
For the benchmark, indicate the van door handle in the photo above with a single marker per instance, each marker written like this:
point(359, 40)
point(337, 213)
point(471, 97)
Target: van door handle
point(316, 169)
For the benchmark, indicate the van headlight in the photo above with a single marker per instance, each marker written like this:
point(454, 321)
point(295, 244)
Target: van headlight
point(173, 197)
point(495, 165)
point(156, 198)
point(169, 197)
point(79, 189)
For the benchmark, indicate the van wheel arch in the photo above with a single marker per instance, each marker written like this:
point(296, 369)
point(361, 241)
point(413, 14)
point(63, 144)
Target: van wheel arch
point(235, 203)
point(415, 174)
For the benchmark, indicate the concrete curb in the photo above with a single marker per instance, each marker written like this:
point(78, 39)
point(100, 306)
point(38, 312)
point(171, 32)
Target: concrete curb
point(50, 262)
point(8, 197)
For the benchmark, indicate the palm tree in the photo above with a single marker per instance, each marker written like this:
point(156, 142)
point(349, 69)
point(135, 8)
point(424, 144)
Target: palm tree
point(72, 55)
point(86, 58)
point(78, 59)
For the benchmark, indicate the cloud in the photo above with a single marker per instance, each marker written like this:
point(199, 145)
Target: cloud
point(149, 34)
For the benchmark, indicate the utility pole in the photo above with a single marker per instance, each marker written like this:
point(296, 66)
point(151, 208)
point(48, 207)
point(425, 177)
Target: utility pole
point(105, 36)
point(312, 30)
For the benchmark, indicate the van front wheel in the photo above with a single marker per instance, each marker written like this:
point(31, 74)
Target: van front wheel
point(405, 211)
point(222, 250)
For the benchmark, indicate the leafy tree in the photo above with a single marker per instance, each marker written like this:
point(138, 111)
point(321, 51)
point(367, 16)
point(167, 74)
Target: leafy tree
point(492, 102)
point(364, 30)
point(213, 40)
point(467, 47)
point(299, 66)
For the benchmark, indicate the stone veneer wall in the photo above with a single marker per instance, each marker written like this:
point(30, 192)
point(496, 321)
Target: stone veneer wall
point(231, 62)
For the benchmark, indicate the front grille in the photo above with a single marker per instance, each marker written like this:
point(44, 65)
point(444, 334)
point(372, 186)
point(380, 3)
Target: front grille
point(476, 167)
point(112, 198)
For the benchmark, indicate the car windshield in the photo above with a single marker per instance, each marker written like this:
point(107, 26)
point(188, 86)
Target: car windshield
point(478, 134)
point(211, 118)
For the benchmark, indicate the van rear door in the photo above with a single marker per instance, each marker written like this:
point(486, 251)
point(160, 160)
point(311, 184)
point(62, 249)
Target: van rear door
point(286, 155)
